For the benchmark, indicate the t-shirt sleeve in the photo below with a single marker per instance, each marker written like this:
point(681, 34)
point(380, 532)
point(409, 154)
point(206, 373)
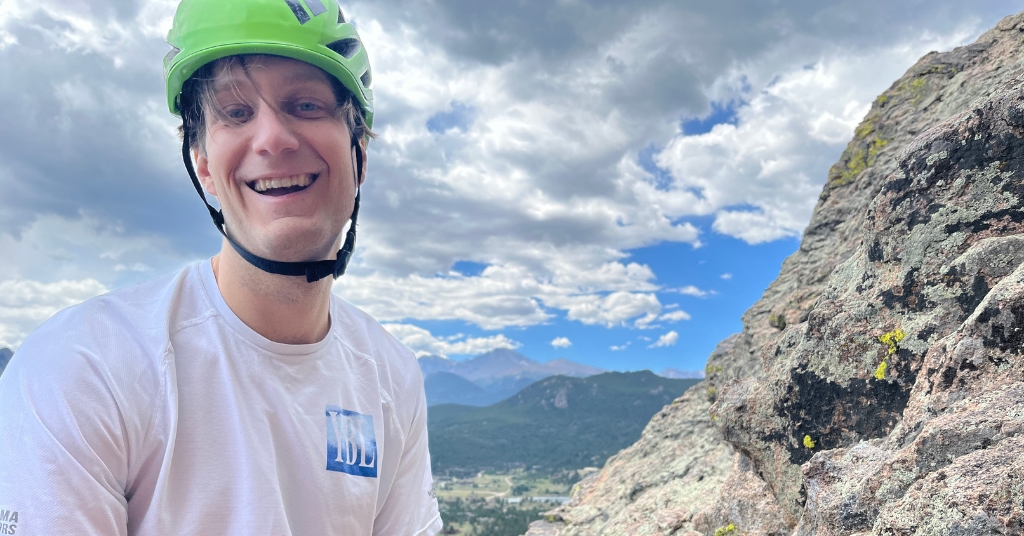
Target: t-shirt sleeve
point(411, 506)
point(63, 463)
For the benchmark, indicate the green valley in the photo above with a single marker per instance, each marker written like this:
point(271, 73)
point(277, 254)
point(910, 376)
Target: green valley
point(556, 424)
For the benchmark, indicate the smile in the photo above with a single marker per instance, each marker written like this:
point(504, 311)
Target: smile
point(283, 185)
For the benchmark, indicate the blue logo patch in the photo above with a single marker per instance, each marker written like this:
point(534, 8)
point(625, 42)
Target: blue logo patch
point(351, 444)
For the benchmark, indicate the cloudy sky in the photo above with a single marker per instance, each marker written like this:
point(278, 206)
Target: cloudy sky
point(608, 182)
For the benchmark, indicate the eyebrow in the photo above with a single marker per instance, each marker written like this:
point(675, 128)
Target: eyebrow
point(301, 76)
point(225, 83)
point(308, 75)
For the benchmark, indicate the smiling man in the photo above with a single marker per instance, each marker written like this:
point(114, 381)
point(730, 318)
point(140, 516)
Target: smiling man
point(239, 396)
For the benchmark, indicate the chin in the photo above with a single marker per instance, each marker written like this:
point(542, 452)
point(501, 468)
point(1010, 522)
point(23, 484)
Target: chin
point(301, 245)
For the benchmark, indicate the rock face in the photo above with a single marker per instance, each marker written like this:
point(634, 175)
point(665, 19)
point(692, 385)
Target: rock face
point(878, 385)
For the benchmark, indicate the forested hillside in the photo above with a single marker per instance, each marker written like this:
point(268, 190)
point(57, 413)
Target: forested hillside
point(556, 423)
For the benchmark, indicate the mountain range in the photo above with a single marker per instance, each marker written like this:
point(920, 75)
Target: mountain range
point(601, 414)
point(677, 374)
point(490, 377)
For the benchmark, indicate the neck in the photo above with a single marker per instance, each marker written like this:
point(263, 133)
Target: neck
point(283, 309)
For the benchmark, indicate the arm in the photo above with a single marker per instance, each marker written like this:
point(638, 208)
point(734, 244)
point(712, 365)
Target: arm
point(411, 507)
point(63, 463)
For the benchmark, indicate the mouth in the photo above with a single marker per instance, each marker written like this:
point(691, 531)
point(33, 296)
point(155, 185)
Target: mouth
point(279, 186)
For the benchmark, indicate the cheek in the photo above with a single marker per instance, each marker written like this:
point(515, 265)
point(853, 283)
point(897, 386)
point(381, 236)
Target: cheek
point(340, 162)
point(224, 157)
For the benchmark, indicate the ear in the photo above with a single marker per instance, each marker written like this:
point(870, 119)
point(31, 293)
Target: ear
point(365, 155)
point(203, 172)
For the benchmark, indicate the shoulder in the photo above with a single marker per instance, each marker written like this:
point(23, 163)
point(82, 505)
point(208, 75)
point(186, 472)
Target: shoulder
point(365, 335)
point(397, 366)
point(119, 339)
point(137, 317)
point(93, 375)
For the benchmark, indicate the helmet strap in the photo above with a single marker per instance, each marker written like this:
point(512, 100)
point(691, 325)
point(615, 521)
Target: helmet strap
point(313, 270)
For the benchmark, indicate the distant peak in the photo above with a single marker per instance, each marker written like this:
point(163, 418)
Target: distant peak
point(504, 353)
point(681, 374)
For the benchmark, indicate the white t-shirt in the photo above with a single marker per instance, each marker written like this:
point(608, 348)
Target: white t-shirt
point(153, 410)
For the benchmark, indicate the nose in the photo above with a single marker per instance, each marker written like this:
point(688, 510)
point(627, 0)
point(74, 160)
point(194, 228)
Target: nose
point(272, 134)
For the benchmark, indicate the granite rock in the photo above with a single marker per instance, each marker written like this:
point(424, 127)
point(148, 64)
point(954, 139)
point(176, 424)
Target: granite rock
point(878, 385)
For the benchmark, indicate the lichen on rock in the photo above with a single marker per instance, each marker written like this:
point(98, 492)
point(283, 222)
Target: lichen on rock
point(891, 402)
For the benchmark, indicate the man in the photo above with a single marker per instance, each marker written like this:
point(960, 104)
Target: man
point(238, 396)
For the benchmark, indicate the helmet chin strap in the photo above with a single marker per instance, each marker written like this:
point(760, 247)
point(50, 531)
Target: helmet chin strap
point(313, 270)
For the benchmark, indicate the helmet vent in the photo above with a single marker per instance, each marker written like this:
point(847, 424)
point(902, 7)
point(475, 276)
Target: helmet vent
point(347, 47)
point(171, 54)
point(298, 10)
point(341, 16)
point(366, 79)
point(316, 7)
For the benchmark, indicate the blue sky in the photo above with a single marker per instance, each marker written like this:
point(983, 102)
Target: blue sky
point(611, 183)
point(714, 316)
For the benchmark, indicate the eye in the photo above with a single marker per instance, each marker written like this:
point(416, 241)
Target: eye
point(237, 113)
point(308, 108)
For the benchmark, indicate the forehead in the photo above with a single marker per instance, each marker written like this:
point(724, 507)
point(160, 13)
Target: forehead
point(265, 68)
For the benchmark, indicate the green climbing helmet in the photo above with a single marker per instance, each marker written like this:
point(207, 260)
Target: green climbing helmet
point(313, 31)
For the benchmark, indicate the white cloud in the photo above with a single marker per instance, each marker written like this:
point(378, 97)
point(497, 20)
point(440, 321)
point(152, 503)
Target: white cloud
point(691, 290)
point(614, 309)
point(668, 339)
point(136, 267)
point(753, 227)
point(674, 316)
point(619, 348)
point(422, 342)
point(726, 276)
point(24, 304)
point(543, 185)
point(533, 181)
point(6, 40)
point(53, 248)
point(510, 295)
point(561, 342)
point(761, 177)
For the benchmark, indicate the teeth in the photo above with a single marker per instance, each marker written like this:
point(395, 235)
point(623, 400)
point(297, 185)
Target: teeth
point(263, 185)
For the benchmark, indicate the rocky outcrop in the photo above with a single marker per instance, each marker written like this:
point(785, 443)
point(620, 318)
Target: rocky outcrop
point(878, 385)
point(941, 268)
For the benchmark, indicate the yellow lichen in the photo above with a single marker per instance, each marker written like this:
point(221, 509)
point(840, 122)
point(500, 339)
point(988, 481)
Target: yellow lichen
point(711, 394)
point(808, 442)
point(854, 167)
point(892, 340)
point(859, 158)
point(916, 87)
point(726, 530)
point(880, 371)
point(876, 147)
point(865, 128)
